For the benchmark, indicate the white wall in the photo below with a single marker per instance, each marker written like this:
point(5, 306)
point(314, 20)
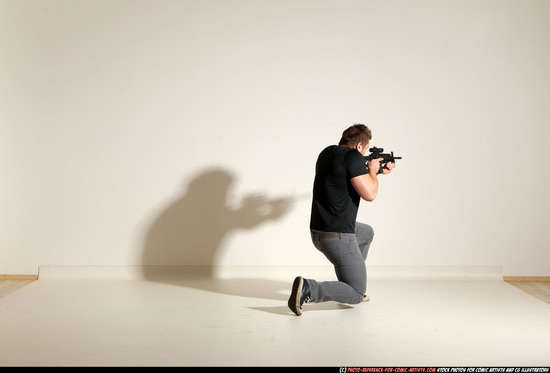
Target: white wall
point(132, 131)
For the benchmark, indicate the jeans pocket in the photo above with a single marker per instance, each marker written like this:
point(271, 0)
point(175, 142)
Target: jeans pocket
point(351, 245)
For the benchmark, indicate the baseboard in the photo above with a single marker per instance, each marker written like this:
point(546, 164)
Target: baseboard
point(378, 272)
point(375, 273)
point(527, 278)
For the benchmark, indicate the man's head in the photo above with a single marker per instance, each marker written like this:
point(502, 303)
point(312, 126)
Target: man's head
point(358, 137)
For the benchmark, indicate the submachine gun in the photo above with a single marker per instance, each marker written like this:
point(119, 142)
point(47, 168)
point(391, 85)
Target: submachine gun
point(376, 153)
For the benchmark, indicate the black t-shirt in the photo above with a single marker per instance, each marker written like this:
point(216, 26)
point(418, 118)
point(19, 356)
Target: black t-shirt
point(335, 201)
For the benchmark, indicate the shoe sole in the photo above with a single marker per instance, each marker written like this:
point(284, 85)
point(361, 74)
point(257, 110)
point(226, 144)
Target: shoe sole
point(294, 300)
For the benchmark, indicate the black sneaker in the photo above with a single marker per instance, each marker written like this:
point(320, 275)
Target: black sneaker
point(298, 296)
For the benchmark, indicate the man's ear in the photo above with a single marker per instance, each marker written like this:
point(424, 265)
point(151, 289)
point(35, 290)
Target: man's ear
point(361, 147)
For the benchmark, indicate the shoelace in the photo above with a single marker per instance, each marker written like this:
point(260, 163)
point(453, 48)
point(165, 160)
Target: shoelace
point(304, 297)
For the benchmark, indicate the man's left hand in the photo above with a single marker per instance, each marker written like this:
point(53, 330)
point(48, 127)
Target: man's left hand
point(387, 169)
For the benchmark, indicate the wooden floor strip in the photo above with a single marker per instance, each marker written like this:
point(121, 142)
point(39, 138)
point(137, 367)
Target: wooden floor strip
point(526, 278)
point(18, 277)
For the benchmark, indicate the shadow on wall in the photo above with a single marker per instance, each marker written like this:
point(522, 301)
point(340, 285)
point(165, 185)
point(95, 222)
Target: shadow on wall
point(182, 244)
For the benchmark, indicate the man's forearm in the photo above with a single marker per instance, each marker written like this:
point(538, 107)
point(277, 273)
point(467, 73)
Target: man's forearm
point(366, 186)
point(372, 180)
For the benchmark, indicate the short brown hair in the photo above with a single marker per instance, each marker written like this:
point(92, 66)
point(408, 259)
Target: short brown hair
point(358, 133)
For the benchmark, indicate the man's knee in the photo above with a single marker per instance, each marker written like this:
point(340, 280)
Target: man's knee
point(364, 234)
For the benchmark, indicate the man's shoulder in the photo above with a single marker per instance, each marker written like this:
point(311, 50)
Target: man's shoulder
point(354, 154)
point(338, 149)
point(330, 148)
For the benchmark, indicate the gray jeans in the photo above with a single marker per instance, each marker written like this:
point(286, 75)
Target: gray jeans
point(347, 252)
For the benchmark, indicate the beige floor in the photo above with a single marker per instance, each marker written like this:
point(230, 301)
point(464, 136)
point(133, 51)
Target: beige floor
point(242, 320)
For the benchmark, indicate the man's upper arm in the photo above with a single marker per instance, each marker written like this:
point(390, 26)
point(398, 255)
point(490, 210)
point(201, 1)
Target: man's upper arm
point(361, 181)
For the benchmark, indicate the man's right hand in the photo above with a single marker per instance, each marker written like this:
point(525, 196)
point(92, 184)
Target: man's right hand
point(374, 166)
